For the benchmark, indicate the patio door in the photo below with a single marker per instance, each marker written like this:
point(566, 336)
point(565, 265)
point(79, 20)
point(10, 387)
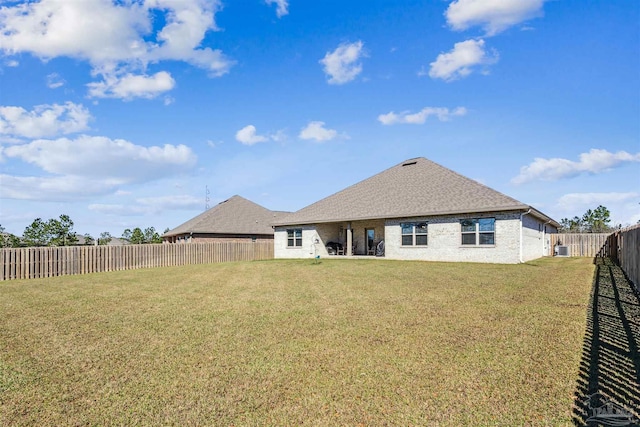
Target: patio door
point(370, 237)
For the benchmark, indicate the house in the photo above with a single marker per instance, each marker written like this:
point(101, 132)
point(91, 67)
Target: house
point(114, 241)
point(117, 241)
point(421, 211)
point(235, 219)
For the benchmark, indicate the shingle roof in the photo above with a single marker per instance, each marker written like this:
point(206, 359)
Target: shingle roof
point(415, 187)
point(236, 215)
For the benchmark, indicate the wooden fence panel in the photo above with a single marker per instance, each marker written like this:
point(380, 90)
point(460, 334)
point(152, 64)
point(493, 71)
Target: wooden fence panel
point(28, 263)
point(625, 251)
point(580, 244)
point(622, 246)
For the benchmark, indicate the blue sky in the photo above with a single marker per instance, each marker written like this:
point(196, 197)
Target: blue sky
point(120, 113)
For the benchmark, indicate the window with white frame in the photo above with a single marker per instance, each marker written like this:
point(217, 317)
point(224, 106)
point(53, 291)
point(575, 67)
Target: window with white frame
point(294, 237)
point(414, 233)
point(478, 232)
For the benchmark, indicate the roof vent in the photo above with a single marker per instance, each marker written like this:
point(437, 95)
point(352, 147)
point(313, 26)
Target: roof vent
point(410, 162)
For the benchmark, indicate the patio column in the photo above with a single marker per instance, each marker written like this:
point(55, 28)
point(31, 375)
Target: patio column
point(349, 240)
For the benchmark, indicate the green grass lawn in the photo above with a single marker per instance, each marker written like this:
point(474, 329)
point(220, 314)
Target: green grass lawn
point(341, 342)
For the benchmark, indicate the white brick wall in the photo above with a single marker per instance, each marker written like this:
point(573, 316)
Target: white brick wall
point(309, 234)
point(535, 240)
point(444, 239)
point(325, 233)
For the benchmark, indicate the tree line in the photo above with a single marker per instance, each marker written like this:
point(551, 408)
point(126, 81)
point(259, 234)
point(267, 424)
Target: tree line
point(593, 221)
point(59, 232)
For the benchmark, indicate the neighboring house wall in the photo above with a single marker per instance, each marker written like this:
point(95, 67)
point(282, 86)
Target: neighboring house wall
point(210, 238)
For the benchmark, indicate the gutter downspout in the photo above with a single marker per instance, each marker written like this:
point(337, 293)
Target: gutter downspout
point(521, 233)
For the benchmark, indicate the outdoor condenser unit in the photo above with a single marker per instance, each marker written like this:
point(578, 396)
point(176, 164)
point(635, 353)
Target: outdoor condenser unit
point(563, 251)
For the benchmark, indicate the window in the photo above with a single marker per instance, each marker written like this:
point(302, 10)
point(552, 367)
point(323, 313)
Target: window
point(480, 231)
point(414, 233)
point(294, 237)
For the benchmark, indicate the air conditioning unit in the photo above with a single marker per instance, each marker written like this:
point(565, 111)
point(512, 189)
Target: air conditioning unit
point(563, 251)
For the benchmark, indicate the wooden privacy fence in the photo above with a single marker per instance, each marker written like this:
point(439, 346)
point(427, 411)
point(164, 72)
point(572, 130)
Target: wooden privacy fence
point(31, 263)
point(623, 247)
point(582, 244)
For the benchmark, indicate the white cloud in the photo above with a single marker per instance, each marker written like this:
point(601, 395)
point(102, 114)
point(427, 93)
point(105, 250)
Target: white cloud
point(624, 207)
point(493, 16)
point(149, 205)
point(119, 209)
point(317, 132)
point(279, 136)
point(54, 81)
point(248, 136)
point(573, 201)
point(12, 63)
point(342, 64)
point(282, 7)
point(132, 86)
point(443, 114)
point(595, 161)
point(43, 120)
point(460, 61)
point(96, 30)
point(54, 188)
point(174, 202)
point(188, 21)
point(90, 165)
point(117, 38)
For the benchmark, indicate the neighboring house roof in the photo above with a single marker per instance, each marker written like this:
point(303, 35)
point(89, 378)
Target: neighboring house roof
point(116, 241)
point(236, 215)
point(82, 241)
point(415, 187)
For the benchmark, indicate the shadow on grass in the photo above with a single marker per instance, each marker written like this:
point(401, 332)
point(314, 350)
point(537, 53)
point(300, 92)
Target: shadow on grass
point(608, 387)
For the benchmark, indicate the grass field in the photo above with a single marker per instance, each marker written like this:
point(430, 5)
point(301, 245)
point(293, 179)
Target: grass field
point(341, 342)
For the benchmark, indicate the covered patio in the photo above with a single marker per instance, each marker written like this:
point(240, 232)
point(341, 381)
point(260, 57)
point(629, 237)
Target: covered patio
point(352, 238)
